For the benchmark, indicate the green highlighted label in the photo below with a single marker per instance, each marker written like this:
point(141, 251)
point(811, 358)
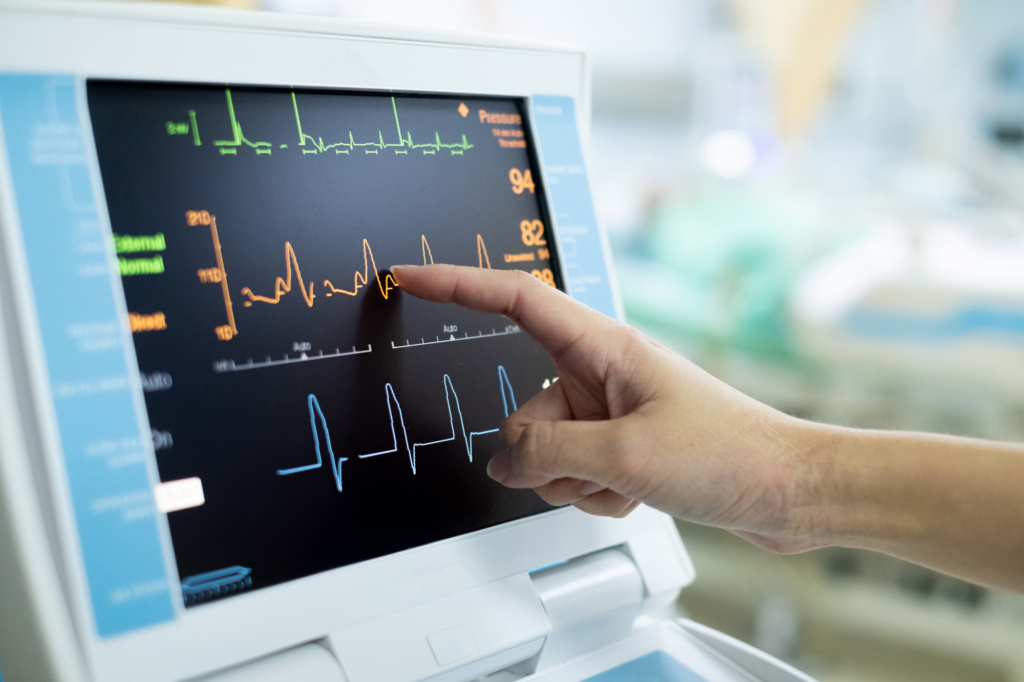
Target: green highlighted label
point(140, 266)
point(129, 244)
point(177, 128)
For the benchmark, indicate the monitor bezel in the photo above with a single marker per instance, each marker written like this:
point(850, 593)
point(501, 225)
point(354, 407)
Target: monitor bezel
point(543, 202)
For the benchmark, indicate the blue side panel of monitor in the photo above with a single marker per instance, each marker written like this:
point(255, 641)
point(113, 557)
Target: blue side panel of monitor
point(88, 368)
point(569, 190)
point(656, 666)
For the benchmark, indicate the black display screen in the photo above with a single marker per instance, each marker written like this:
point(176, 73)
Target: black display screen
point(328, 417)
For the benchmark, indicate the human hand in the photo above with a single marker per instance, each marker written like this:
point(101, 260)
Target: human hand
point(631, 422)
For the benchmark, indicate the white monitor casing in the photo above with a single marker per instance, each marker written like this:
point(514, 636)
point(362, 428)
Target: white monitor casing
point(452, 610)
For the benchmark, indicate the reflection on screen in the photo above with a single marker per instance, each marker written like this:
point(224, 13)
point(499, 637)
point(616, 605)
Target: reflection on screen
point(305, 413)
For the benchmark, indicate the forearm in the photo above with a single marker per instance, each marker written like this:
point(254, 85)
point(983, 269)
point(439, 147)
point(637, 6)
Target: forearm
point(953, 504)
point(630, 422)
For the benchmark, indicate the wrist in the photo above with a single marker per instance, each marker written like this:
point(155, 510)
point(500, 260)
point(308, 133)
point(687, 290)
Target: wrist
point(813, 471)
point(847, 488)
point(788, 501)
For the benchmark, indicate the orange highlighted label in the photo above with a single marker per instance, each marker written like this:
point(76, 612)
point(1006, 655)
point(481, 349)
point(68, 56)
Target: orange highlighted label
point(208, 275)
point(194, 218)
point(500, 119)
point(147, 323)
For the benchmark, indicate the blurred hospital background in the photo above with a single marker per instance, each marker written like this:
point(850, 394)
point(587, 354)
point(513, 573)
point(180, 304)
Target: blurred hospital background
point(822, 203)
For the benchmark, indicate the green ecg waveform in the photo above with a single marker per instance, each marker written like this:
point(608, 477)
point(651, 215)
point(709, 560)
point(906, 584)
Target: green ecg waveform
point(403, 145)
point(311, 145)
point(231, 146)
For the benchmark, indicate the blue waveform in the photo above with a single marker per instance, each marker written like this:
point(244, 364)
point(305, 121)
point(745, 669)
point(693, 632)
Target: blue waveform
point(451, 396)
point(314, 411)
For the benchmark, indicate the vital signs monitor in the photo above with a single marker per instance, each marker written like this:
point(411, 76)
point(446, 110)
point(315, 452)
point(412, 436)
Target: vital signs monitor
point(231, 448)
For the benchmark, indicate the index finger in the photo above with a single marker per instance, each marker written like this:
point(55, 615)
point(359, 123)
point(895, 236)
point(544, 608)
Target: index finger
point(553, 319)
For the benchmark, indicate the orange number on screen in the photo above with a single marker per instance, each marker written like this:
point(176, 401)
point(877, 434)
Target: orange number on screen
point(197, 217)
point(521, 180)
point(544, 275)
point(207, 275)
point(533, 233)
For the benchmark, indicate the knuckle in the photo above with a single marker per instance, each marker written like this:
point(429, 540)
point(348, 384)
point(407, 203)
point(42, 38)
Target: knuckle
point(524, 279)
point(511, 428)
point(618, 446)
point(555, 493)
point(625, 456)
point(553, 500)
point(457, 285)
point(597, 507)
point(534, 445)
point(522, 285)
point(635, 335)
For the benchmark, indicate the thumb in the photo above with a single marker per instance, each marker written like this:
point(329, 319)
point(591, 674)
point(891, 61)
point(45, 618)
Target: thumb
point(596, 451)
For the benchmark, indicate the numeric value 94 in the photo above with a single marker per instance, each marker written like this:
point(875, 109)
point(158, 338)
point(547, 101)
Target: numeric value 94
point(521, 180)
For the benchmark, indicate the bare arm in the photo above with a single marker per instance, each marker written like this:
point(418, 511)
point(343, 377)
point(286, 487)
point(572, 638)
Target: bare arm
point(631, 422)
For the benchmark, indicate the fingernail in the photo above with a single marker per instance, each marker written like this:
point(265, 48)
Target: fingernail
point(498, 467)
point(396, 270)
point(589, 488)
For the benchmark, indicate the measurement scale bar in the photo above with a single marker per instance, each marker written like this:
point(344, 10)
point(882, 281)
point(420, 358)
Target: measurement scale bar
point(231, 366)
point(452, 338)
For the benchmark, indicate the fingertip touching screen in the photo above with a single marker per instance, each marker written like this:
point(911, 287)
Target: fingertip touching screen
point(306, 414)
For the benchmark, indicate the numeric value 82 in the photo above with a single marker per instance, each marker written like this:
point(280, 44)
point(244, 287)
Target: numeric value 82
point(533, 233)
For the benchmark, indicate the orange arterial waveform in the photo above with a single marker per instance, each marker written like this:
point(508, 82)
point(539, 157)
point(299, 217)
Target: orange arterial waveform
point(283, 286)
point(386, 284)
point(426, 250)
point(481, 252)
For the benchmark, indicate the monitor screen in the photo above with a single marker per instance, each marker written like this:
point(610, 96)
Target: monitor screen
point(305, 413)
